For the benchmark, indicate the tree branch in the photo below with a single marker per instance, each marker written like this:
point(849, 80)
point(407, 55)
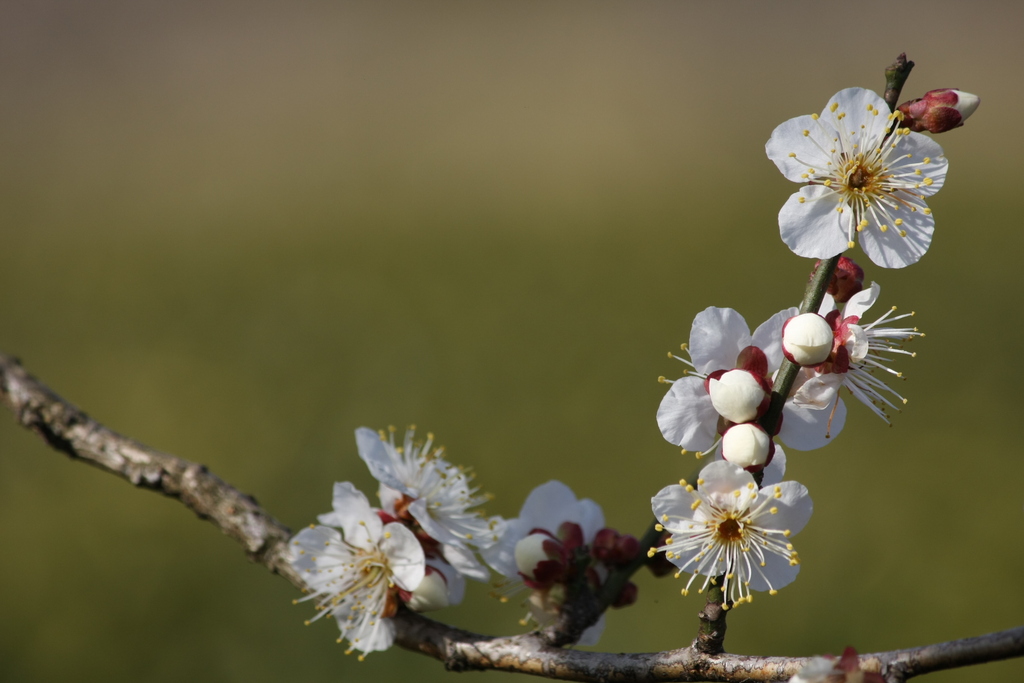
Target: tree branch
point(69, 430)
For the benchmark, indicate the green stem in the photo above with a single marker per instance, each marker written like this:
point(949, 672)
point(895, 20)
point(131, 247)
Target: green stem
point(813, 296)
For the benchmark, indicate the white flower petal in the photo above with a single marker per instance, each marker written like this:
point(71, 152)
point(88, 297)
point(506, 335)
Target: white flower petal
point(672, 502)
point(501, 555)
point(793, 504)
point(816, 391)
point(465, 563)
point(374, 453)
point(687, 417)
point(548, 506)
point(590, 517)
point(716, 339)
point(768, 337)
point(828, 304)
point(456, 582)
point(369, 634)
point(388, 497)
point(722, 477)
point(593, 634)
point(811, 227)
point(405, 555)
point(420, 512)
point(353, 515)
point(777, 570)
point(890, 249)
point(808, 150)
point(805, 429)
point(913, 150)
point(860, 302)
point(776, 469)
point(854, 101)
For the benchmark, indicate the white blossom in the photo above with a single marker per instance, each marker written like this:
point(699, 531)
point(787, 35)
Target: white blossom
point(416, 481)
point(546, 510)
point(865, 177)
point(726, 527)
point(355, 574)
point(861, 350)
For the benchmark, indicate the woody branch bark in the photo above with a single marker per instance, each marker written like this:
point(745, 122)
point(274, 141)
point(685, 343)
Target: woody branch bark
point(69, 430)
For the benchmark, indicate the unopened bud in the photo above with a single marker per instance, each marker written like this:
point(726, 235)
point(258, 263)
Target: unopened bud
point(611, 547)
point(736, 395)
point(939, 110)
point(431, 594)
point(627, 596)
point(847, 280)
point(746, 445)
point(807, 339)
point(531, 551)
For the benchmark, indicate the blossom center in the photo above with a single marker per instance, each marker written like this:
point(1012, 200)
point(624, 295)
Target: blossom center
point(730, 530)
point(861, 177)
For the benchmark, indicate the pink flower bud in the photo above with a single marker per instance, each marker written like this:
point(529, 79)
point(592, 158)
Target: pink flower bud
point(627, 548)
point(613, 548)
point(626, 597)
point(939, 110)
point(847, 280)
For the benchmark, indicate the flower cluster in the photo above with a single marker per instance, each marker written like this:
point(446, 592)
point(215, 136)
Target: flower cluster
point(728, 527)
point(555, 541)
point(727, 390)
point(866, 174)
point(416, 549)
point(866, 178)
point(429, 535)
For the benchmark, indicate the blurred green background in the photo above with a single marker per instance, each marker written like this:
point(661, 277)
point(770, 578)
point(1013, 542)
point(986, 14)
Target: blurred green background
point(238, 231)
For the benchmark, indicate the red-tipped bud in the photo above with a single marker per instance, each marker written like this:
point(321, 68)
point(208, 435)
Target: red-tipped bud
point(627, 596)
point(539, 559)
point(939, 110)
point(603, 546)
point(847, 280)
point(611, 547)
point(627, 548)
point(571, 535)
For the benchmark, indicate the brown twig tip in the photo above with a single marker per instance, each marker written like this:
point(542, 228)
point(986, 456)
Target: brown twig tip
point(895, 76)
